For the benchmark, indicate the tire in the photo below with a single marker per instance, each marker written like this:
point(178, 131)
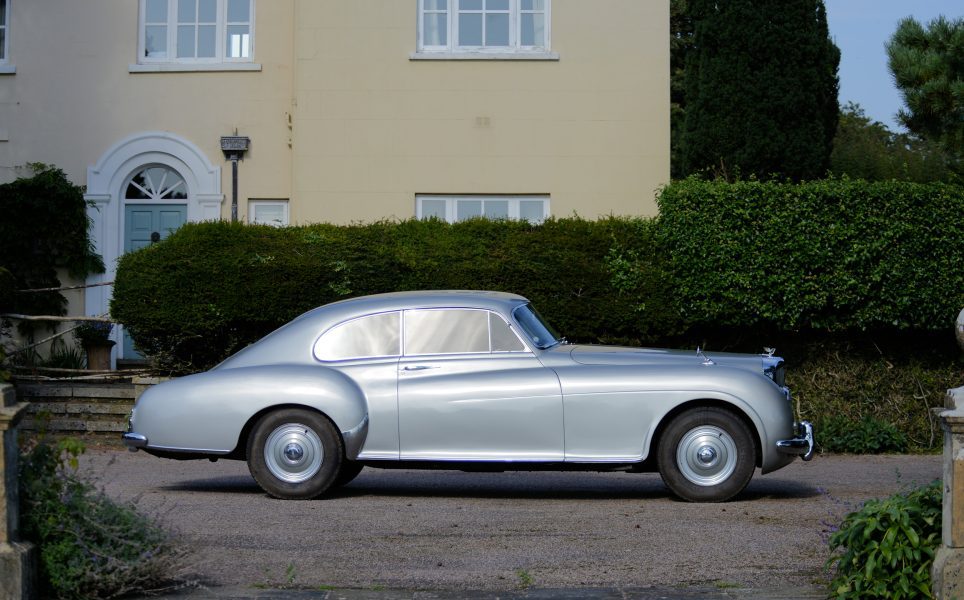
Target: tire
point(295, 454)
point(706, 454)
point(349, 471)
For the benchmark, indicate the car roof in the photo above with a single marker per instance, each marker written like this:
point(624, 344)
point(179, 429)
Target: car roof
point(287, 343)
point(499, 301)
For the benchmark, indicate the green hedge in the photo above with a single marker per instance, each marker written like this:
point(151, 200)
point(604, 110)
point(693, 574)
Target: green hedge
point(831, 255)
point(212, 288)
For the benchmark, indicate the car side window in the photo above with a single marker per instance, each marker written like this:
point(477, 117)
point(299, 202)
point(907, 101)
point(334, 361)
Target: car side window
point(458, 331)
point(371, 336)
point(502, 337)
point(446, 331)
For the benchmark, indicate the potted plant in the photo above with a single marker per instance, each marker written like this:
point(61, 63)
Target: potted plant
point(94, 338)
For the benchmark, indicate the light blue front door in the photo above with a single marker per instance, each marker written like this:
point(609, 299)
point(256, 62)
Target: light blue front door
point(144, 223)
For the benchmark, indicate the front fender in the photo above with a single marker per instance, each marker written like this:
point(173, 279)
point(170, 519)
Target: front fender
point(206, 412)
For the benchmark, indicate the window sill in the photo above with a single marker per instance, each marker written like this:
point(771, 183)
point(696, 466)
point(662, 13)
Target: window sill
point(8, 70)
point(192, 68)
point(484, 56)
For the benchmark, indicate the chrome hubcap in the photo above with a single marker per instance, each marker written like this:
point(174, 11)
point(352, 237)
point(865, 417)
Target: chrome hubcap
point(706, 455)
point(293, 453)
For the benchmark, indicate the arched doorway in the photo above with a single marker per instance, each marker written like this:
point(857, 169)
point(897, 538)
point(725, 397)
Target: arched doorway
point(146, 184)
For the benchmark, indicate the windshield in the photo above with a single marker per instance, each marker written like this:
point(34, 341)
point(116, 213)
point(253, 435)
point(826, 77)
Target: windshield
point(540, 332)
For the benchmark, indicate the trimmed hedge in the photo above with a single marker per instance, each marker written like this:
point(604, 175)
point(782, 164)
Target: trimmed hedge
point(211, 288)
point(829, 255)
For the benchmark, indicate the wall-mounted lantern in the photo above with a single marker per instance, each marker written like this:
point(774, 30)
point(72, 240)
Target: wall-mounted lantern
point(234, 147)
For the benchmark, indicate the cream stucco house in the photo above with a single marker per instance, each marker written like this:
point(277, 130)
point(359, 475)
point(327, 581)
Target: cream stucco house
point(355, 110)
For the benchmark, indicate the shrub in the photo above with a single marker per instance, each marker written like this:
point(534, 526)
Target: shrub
point(833, 255)
point(885, 549)
point(211, 288)
point(865, 436)
point(44, 228)
point(90, 546)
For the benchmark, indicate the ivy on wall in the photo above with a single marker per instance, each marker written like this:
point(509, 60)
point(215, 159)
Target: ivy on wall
point(44, 228)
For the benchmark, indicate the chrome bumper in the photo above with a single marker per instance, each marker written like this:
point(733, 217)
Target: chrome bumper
point(802, 444)
point(134, 441)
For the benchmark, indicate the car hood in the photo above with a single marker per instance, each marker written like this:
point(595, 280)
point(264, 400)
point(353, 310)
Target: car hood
point(617, 355)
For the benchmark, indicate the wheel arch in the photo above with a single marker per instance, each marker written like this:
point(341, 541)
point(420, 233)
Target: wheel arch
point(708, 403)
point(351, 440)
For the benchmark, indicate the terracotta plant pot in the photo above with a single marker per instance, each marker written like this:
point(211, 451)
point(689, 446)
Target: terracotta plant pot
point(98, 355)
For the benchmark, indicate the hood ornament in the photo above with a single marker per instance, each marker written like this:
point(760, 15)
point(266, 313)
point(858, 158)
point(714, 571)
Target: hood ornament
point(706, 359)
point(769, 351)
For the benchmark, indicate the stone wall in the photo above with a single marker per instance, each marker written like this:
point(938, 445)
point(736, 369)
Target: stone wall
point(75, 408)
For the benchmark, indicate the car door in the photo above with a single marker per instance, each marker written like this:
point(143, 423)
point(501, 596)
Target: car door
point(469, 389)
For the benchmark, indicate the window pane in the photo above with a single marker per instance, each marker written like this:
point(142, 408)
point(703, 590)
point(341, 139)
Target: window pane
point(470, 29)
point(470, 4)
point(433, 208)
point(239, 42)
point(531, 210)
point(155, 41)
point(185, 41)
point(156, 11)
point(186, 11)
point(177, 192)
point(207, 41)
point(239, 11)
point(533, 4)
point(446, 331)
point(503, 340)
point(3, 13)
point(466, 209)
point(436, 30)
point(376, 335)
point(497, 29)
point(497, 209)
point(533, 30)
point(135, 193)
point(207, 11)
point(497, 5)
point(436, 4)
point(3, 44)
point(269, 214)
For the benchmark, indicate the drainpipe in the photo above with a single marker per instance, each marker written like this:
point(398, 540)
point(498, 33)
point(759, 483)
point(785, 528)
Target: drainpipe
point(234, 147)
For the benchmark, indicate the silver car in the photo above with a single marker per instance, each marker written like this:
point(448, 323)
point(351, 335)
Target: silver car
point(474, 381)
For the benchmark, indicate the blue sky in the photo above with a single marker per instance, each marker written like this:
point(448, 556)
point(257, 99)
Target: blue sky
point(860, 28)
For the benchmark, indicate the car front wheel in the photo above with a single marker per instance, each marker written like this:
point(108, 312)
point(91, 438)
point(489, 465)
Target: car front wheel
point(294, 454)
point(706, 455)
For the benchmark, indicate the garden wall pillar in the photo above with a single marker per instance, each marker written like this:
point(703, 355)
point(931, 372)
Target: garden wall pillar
point(948, 570)
point(16, 557)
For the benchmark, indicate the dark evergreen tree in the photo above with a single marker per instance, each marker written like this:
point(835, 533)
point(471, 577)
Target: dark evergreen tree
point(761, 89)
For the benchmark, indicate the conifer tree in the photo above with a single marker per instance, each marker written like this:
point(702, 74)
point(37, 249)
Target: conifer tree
point(761, 89)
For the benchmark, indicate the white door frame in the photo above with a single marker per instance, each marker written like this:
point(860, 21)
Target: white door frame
point(105, 197)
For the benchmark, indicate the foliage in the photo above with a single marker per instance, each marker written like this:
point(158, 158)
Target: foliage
point(928, 68)
point(832, 255)
point(761, 89)
point(867, 436)
point(92, 333)
point(63, 356)
point(680, 47)
point(90, 546)
point(211, 288)
point(865, 149)
point(44, 228)
point(885, 549)
point(858, 388)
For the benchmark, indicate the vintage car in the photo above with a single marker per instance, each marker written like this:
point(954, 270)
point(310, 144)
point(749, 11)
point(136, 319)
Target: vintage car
point(473, 381)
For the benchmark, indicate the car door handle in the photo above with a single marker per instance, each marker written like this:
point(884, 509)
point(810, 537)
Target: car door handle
point(417, 368)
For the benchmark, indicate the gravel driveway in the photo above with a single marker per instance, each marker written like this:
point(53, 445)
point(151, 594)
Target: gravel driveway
point(500, 531)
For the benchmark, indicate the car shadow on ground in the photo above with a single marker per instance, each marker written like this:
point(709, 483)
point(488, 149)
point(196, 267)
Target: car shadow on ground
point(508, 486)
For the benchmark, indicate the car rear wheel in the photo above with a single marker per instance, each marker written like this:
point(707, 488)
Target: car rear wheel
point(295, 454)
point(706, 454)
